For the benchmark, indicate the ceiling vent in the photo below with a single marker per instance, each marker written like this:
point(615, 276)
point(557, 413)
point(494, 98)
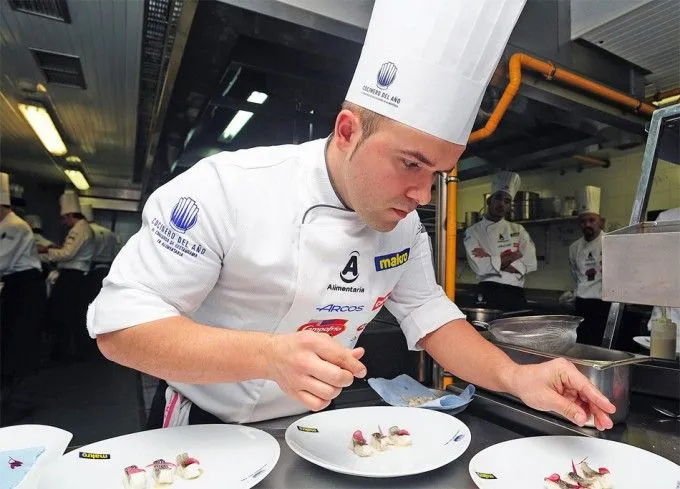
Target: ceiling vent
point(50, 9)
point(60, 69)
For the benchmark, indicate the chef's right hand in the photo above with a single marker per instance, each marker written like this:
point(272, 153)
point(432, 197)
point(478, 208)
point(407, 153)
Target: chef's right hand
point(312, 367)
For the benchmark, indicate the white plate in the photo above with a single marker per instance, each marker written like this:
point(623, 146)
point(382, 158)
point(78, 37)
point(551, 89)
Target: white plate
point(231, 456)
point(438, 439)
point(643, 341)
point(525, 462)
point(55, 441)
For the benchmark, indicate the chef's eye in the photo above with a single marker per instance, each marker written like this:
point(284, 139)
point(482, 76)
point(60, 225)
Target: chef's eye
point(411, 165)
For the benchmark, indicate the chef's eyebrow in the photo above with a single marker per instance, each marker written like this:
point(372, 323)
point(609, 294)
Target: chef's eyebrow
point(424, 159)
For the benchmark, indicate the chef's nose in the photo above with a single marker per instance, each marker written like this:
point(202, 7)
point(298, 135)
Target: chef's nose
point(421, 192)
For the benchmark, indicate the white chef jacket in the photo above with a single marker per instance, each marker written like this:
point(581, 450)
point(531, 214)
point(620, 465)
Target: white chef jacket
point(673, 312)
point(41, 240)
point(585, 263)
point(105, 244)
point(18, 251)
point(258, 240)
point(496, 238)
point(77, 250)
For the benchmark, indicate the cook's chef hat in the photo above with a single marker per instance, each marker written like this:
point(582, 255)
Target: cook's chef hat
point(69, 203)
point(86, 210)
point(506, 181)
point(588, 200)
point(4, 189)
point(427, 64)
point(34, 221)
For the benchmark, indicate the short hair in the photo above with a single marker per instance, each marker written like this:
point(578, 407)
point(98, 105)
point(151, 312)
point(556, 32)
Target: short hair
point(370, 121)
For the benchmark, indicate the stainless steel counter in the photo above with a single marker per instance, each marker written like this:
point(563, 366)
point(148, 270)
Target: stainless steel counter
point(491, 419)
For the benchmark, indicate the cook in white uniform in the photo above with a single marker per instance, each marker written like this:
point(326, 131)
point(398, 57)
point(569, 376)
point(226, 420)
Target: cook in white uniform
point(105, 247)
point(672, 313)
point(501, 253)
point(41, 241)
point(585, 263)
point(253, 271)
point(68, 300)
point(22, 302)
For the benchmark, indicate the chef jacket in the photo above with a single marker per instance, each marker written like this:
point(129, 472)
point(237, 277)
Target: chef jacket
point(258, 240)
point(585, 263)
point(77, 250)
point(18, 251)
point(496, 238)
point(105, 244)
point(41, 240)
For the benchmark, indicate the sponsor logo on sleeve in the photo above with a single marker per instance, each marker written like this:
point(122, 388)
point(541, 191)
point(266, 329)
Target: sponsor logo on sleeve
point(380, 301)
point(331, 327)
point(391, 260)
point(184, 215)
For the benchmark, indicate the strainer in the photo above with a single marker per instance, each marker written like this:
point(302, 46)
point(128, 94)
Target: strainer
point(549, 334)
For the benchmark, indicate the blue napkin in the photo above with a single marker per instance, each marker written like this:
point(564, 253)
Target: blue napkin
point(15, 464)
point(399, 390)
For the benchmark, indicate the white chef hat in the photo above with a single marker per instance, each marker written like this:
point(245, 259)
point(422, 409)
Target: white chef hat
point(69, 203)
point(86, 210)
point(588, 200)
point(34, 221)
point(427, 66)
point(506, 181)
point(4, 189)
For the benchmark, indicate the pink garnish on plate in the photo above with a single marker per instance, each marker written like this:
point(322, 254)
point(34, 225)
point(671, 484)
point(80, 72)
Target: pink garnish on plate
point(359, 437)
point(553, 478)
point(603, 470)
point(402, 432)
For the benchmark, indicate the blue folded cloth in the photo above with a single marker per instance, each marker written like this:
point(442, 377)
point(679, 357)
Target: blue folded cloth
point(404, 389)
point(15, 464)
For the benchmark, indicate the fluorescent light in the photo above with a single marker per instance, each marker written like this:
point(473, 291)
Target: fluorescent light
point(257, 97)
point(73, 159)
point(77, 178)
point(41, 122)
point(235, 126)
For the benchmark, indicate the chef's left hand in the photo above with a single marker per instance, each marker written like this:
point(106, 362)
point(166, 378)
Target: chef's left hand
point(558, 386)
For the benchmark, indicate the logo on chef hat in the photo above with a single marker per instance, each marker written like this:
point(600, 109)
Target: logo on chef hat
point(184, 215)
point(386, 75)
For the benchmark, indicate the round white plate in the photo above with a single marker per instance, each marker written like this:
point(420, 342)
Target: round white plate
point(643, 341)
point(231, 456)
point(54, 440)
point(526, 462)
point(324, 439)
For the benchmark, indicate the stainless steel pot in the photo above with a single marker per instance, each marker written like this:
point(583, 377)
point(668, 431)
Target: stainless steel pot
point(608, 370)
point(481, 314)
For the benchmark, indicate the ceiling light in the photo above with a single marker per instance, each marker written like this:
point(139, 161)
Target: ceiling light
point(78, 178)
point(257, 97)
point(73, 159)
point(41, 122)
point(235, 126)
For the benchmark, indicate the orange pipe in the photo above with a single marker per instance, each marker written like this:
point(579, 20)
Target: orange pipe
point(551, 72)
point(451, 209)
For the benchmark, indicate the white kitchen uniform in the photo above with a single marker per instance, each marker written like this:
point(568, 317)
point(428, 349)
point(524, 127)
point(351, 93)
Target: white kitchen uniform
point(496, 238)
point(585, 263)
point(105, 245)
point(77, 251)
point(214, 250)
point(18, 251)
point(673, 313)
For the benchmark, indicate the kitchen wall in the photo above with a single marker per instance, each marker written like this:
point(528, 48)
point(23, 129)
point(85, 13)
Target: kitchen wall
point(618, 183)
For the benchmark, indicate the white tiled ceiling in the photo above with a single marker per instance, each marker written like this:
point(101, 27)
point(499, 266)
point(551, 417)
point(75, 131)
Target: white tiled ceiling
point(648, 36)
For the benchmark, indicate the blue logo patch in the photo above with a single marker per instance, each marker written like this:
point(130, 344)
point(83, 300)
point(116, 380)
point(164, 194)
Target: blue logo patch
point(386, 75)
point(392, 260)
point(184, 215)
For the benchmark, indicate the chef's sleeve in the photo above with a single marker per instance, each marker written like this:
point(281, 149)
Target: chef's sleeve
point(572, 263)
point(481, 266)
point(76, 237)
point(170, 265)
point(11, 242)
point(527, 263)
point(417, 302)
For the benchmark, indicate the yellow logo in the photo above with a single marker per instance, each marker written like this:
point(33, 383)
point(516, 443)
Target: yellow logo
point(95, 456)
point(307, 430)
point(391, 260)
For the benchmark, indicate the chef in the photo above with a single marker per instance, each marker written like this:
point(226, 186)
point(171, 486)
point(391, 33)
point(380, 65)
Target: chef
point(68, 299)
point(22, 302)
point(254, 271)
point(500, 253)
point(585, 263)
point(36, 226)
point(105, 246)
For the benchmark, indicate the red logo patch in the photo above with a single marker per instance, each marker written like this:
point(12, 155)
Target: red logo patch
point(331, 327)
point(380, 301)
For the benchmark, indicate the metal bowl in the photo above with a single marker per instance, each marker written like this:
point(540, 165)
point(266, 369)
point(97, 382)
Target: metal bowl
point(550, 334)
point(481, 314)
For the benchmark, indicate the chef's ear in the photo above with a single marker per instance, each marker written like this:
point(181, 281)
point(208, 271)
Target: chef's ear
point(347, 131)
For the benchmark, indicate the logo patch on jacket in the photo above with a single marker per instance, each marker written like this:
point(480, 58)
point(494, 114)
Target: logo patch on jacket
point(331, 327)
point(391, 260)
point(351, 271)
point(184, 215)
point(340, 308)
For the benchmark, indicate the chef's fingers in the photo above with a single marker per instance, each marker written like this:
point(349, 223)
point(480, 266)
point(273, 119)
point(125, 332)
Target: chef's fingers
point(602, 419)
point(331, 374)
point(574, 379)
point(311, 401)
point(341, 356)
point(320, 389)
point(358, 353)
point(567, 408)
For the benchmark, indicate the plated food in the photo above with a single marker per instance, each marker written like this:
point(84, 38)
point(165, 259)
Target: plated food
point(581, 476)
point(162, 472)
point(380, 442)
